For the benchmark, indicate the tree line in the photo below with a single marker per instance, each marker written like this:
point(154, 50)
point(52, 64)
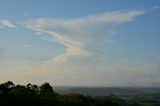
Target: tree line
point(44, 95)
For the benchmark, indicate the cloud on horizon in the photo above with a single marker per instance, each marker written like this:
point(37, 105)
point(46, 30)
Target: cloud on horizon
point(77, 35)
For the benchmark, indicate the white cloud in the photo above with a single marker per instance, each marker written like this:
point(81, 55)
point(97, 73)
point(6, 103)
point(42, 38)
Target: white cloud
point(156, 7)
point(25, 45)
point(38, 33)
point(77, 35)
point(6, 24)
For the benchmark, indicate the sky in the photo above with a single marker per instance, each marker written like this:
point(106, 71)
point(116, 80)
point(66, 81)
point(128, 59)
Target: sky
point(80, 42)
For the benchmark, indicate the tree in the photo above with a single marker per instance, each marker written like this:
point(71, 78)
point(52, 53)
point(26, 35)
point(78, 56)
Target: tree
point(46, 90)
point(32, 95)
point(32, 87)
point(9, 84)
point(19, 90)
point(5, 87)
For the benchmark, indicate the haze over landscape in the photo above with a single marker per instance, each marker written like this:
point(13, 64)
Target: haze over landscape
point(80, 42)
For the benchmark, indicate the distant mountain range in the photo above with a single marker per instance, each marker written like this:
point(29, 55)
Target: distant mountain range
point(133, 93)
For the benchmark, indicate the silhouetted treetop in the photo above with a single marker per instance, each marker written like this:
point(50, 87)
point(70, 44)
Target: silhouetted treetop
point(44, 95)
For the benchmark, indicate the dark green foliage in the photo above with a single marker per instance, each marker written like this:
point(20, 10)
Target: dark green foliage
point(9, 84)
point(46, 90)
point(44, 95)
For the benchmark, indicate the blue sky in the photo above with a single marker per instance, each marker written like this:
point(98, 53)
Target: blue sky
point(80, 42)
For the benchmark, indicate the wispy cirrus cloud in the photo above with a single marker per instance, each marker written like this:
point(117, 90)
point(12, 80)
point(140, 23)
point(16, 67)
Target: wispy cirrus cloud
point(6, 24)
point(79, 34)
point(25, 45)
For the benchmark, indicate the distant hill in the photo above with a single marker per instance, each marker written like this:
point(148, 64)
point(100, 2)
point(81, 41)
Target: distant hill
point(104, 91)
point(122, 92)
